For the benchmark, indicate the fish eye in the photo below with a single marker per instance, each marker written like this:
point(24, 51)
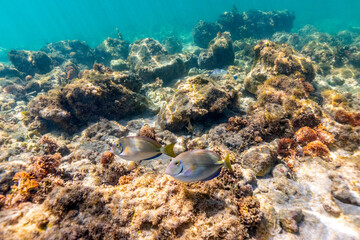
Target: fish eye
point(117, 144)
point(176, 163)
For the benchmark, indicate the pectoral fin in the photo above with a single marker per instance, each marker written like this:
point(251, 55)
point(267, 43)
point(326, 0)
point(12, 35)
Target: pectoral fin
point(188, 171)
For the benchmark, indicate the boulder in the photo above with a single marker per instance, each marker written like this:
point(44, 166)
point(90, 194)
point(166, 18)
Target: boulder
point(112, 49)
point(219, 54)
point(204, 32)
point(76, 51)
point(30, 62)
point(196, 99)
point(150, 60)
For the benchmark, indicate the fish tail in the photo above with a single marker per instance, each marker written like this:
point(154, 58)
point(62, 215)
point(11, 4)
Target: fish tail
point(227, 163)
point(168, 150)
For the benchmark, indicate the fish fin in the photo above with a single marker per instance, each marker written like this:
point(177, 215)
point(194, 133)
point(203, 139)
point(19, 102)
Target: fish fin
point(188, 171)
point(168, 150)
point(152, 157)
point(227, 163)
point(212, 176)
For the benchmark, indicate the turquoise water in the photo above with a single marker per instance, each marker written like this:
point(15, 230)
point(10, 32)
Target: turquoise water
point(32, 24)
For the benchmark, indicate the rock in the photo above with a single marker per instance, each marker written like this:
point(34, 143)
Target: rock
point(280, 170)
point(341, 190)
point(197, 98)
point(204, 32)
point(260, 159)
point(272, 59)
point(172, 45)
point(150, 60)
point(290, 219)
point(129, 80)
point(112, 49)
point(118, 65)
point(30, 62)
point(85, 100)
point(9, 72)
point(76, 51)
point(219, 54)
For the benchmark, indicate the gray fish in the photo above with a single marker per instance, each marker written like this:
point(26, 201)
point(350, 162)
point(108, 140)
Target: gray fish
point(197, 165)
point(220, 72)
point(141, 148)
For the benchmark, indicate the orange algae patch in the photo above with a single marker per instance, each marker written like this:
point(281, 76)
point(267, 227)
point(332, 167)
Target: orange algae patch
point(305, 135)
point(316, 149)
point(344, 117)
point(286, 147)
point(107, 158)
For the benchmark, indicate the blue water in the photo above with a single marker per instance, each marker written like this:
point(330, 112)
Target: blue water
point(32, 24)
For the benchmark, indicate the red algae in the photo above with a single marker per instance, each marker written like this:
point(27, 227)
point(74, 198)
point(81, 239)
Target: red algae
point(305, 135)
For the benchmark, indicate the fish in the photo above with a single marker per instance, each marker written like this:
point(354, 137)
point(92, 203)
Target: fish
point(197, 165)
point(136, 148)
point(219, 72)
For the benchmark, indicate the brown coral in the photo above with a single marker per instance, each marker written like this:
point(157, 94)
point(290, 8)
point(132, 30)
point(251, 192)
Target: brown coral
point(43, 165)
point(317, 149)
point(236, 123)
point(305, 135)
point(147, 131)
point(286, 147)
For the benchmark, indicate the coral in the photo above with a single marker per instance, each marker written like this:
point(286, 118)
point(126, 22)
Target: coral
point(324, 136)
point(147, 131)
point(111, 49)
point(30, 62)
point(76, 51)
point(316, 149)
point(219, 54)
point(305, 135)
point(204, 32)
point(44, 165)
point(286, 147)
point(236, 123)
point(260, 159)
point(197, 98)
point(107, 158)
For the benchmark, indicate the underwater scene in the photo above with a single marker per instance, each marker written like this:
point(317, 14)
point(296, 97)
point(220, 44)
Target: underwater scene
point(180, 120)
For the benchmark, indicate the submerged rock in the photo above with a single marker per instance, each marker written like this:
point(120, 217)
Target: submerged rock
point(172, 45)
point(87, 99)
point(76, 51)
point(204, 32)
point(272, 60)
point(197, 98)
point(30, 62)
point(112, 49)
point(150, 60)
point(260, 159)
point(9, 72)
point(219, 54)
